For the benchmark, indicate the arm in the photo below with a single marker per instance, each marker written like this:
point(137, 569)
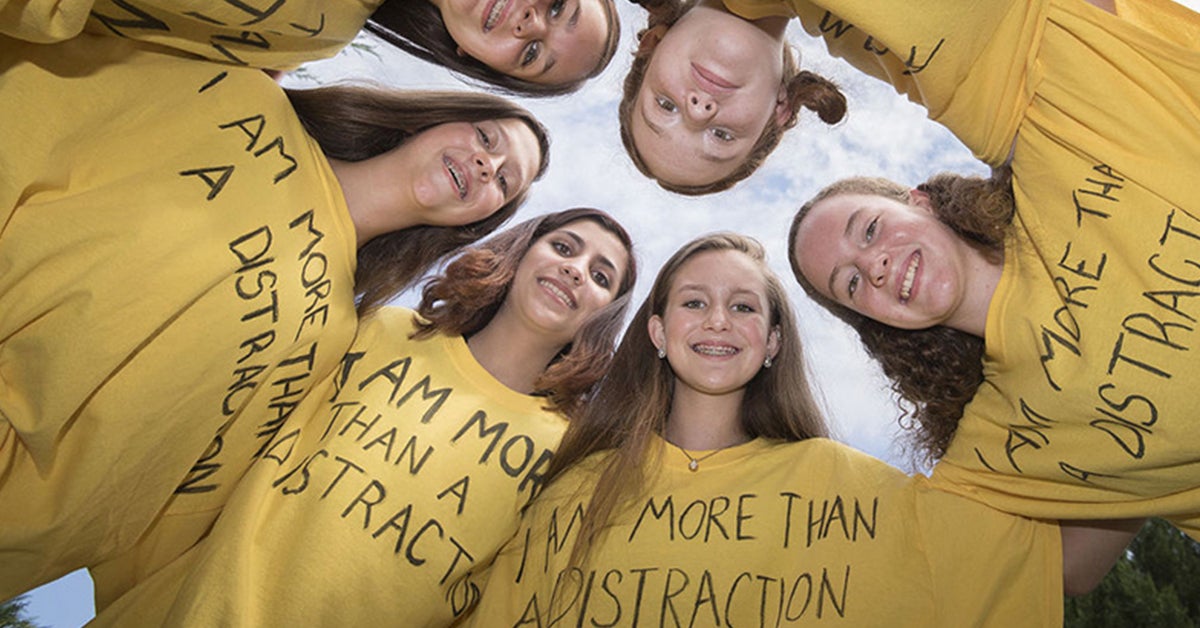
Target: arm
point(1091, 548)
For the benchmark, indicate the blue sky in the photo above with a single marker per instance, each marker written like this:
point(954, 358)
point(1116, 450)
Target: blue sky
point(884, 135)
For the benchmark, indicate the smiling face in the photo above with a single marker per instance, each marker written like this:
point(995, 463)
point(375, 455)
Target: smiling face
point(565, 277)
point(464, 171)
point(542, 41)
point(891, 261)
point(716, 326)
point(713, 84)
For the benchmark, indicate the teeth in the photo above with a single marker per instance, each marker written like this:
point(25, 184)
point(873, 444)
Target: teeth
point(566, 298)
point(713, 350)
point(909, 275)
point(458, 180)
point(492, 17)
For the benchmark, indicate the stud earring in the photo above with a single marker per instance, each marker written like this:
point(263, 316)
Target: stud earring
point(767, 362)
point(662, 353)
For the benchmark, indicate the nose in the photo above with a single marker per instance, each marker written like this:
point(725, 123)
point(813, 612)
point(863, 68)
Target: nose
point(572, 274)
point(701, 106)
point(877, 269)
point(717, 319)
point(485, 165)
point(529, 23)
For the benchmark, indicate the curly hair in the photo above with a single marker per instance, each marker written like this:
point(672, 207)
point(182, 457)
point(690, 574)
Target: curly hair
point(353, 123)
point(417, 27)
point(633, 400)
point(804, 89)
point(934, 372)
point(467, 294)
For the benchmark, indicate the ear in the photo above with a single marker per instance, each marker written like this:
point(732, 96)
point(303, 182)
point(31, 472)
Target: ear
point(649, 38)
point(773, 343)
point(920, 199)
point(461, 52)
point(785, 110)
point(658, 335)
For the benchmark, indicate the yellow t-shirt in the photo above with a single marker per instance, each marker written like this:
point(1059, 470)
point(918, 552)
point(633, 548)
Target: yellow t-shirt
point(1084, 411)
point(176, 266)
point(408, 473)
point(771, 533)
point(276, 35)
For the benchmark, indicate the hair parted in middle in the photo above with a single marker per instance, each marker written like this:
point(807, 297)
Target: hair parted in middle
point(935, 371)
point(633, 401)
point(804, 89)
point(417, 27)
point(467, 294)
point(353, 123)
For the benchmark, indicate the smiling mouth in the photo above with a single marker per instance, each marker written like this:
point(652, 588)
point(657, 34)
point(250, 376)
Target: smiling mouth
point(562, 295)
point(910, 275)
point(719, 351)
point(494, 14)
point(460, 181)
point(711, 81)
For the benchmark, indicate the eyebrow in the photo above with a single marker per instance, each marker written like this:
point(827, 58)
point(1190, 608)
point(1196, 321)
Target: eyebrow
point(845, 234)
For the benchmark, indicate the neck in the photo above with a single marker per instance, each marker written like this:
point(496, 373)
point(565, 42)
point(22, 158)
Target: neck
point(373, 210)
point(703, 422)
point(774, 27)
point(971, 316)
point(512, 354)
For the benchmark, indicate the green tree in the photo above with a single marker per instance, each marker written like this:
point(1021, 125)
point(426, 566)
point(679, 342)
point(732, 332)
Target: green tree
point(1156, 583)
point(12, 614)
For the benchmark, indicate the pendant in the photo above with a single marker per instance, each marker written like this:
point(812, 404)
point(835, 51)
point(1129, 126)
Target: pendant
point(693, 465)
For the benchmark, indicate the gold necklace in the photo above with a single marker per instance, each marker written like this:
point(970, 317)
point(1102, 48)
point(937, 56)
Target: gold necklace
point(694, 462)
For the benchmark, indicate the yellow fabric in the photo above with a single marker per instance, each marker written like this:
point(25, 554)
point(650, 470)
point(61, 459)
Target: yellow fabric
point(1085, 412)
point(407, 475)
point(771, 533)
point(176, 262)
point(275, 35)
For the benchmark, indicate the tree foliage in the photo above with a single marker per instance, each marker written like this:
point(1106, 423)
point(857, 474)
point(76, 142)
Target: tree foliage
point(1156, 583)
point(13, 615)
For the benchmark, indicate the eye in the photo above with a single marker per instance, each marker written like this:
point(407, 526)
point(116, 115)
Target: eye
point(601, 279)
point(665, 104)
point(871, 227)
point(532, 52)
point(722, 134)
point(483, 137)
point(556, 9)
point(693, 304)
point(853, 286)
point(503, 182)
point(744, 308)
point(561, 247)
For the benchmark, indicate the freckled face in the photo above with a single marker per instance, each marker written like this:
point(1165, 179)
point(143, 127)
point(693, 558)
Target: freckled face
point(467, 171)
point(716, 326)
point(711, 87)
point(565, 277)
point(549, 42)
point(891, 261)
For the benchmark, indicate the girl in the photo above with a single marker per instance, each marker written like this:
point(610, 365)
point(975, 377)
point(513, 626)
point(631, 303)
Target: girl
point(709, 95)
point(177, 250)
point(976, 71)
point(526, 47)
point(696, 490)
point(412, 463)
point(1071, 287)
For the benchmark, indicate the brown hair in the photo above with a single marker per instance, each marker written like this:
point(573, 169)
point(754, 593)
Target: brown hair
point(417, 27)
point(633, 400)
point(804, 89)
point(935, 371)
point(353, 123)
point(464, 298)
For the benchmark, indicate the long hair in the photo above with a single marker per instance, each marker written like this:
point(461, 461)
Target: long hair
point(353, 123)
point(464, 298)
point(934, 372)
point(804, 89)
point(417, 27)
point(633, 401)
